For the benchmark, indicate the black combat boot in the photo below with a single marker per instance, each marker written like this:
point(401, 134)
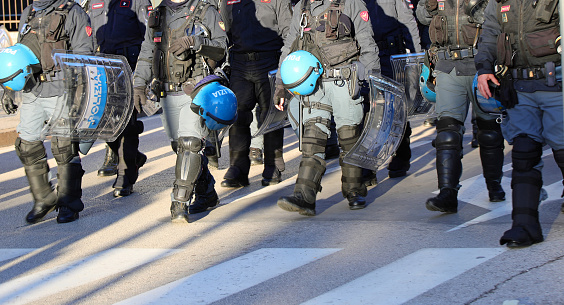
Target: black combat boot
point(204, 192)
point(352, 186)
point(274, 164)
point(110, 166)
point(178, 212)
point(399, 165)
point(449, 168)
point(526, 229)
point(69, 191)
point(307, 186)
point(45, 200)
point(491, 155)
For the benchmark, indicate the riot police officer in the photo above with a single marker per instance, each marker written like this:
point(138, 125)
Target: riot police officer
point(119, 28)
point(521, 56)
point(256, 31)
point(395, 30)
point(452, 54)
point(183, 43)
point(46, 25)
point(325, 28)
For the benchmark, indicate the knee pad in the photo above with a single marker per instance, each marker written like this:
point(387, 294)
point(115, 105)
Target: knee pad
point(526, 153)
point(314, 140)
point(64, 150)
point(191, 144)
point(188, 167)
point(30, 152)
point(448, 123)
point(448, 140)
point(490, 139)
point(348, 135)
point(174, 145)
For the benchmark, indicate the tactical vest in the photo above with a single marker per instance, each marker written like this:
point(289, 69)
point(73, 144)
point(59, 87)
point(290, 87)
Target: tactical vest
point(328, 36)
point(528, 33)
point(457, 24)
point(45, 34)
point(176, 71)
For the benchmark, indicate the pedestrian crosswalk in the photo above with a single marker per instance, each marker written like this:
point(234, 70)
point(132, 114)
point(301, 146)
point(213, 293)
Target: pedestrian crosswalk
point(395, 283)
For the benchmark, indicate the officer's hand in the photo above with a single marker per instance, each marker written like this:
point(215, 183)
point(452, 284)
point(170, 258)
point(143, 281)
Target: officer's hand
point(139, 98)
point(182, 45)
point(279, 96)
point(8, 104)
point(483, 84)
point(431, 5)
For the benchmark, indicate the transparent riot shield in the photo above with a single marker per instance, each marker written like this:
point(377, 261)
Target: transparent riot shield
point(274, 118)
point(5, 40)
point(97, 100)
point(383, 126)
point(407, 70)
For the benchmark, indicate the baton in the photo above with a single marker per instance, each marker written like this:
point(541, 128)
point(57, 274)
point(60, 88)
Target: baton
point(301, 123)
point(216, 144)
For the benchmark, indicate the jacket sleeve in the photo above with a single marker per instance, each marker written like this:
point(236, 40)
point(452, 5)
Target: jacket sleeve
point(284, 16)
point(487, 44)
point(212, 21)
point(144, 69)
point(143, 14)
point(410, 29)
point(363, 34)
point(79, 30)
point(422, 14)
point(293, 33)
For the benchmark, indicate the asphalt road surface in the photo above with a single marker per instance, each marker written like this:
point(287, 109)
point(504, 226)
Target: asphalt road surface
point(249, 251)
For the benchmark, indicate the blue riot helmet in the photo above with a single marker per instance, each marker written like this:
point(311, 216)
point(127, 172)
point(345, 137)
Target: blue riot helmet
point(17, 65)
point(426, 85)
point(300, 71)
point(488, 105)
point(214, 102)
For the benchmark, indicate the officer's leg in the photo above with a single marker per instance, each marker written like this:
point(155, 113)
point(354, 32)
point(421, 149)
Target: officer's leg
point(475, 127)
point(205, 195)
point(257, 143)
point(491, 145)
point(526, 182)
point(332, 149)
point(312, 168)
point(559, 158)
point(449, 166)
point(273, 141)
point(187, 171)
point(110, 165)
point(240, 134)
point(130, 159)
point(69, 179)
point(352, 185)
point(399, 165)
point(348, 118)
point(34, 159)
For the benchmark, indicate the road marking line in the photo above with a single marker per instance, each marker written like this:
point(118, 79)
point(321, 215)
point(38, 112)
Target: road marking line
point(6, 254)
point(220, 281)
point(51, 281)
point(408, 277)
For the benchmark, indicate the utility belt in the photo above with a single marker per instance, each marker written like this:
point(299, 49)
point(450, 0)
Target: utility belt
point(49, 77)
point(341, 73)
point(254, 56)
point(457, 54)
point(125, 51)
point(172, 87)
point(534, 72)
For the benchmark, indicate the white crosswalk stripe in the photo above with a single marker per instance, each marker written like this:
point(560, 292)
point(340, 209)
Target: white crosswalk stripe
point(51, 281)
point(230, 277)
point(408, 277)
point(6, 254)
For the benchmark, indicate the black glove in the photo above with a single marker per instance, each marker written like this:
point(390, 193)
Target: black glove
point(279, 93)
point(139, 98)
point(182, 45)
point(8, 103)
